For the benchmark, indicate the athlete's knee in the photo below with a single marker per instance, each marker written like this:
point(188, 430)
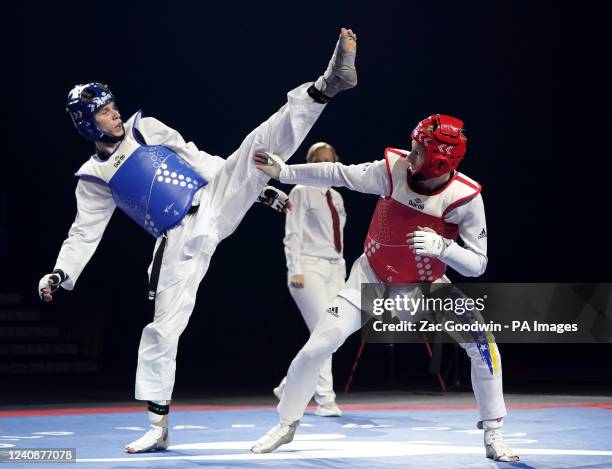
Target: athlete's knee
point(156, 333)
point(323, 344)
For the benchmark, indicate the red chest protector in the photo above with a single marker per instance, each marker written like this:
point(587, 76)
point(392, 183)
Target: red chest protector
point(402, 212)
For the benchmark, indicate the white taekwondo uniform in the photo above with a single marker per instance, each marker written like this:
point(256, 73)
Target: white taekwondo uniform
point(233, 186)
point(388, 179)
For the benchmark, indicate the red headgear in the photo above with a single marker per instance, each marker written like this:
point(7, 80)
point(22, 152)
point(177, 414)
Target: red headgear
point(444, 142)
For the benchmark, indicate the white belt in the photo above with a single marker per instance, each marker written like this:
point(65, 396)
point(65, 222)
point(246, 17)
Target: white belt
point(340, 260)
point(335, 261)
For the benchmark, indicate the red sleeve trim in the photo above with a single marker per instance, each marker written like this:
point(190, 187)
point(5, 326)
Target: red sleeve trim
point(477, 189)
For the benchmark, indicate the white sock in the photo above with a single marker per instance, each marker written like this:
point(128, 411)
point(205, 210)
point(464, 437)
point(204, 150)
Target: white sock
point(493, 424)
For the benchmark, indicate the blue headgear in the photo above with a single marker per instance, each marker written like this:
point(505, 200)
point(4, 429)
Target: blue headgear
point(83, 103)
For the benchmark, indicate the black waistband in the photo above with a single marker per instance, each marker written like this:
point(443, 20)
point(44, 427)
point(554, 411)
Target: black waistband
point(157, 259)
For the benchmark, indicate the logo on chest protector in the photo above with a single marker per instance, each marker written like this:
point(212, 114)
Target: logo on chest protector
point(118, 160)
point(333, 310)
point(167, 209)
point(417, 203)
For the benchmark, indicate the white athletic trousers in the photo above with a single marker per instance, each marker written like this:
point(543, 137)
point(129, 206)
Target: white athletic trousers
point(323, 279)
point(331, 332)
point(190, 245)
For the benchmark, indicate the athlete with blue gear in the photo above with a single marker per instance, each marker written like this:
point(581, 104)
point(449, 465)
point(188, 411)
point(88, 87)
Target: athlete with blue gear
point(189, 200)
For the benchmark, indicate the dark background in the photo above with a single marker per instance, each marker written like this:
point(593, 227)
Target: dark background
point(527, 78)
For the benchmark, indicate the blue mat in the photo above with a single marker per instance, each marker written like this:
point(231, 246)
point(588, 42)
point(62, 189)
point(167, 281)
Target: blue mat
point(544, 438)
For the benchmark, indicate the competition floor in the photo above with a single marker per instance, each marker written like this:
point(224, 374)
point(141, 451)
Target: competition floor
point(386, 430)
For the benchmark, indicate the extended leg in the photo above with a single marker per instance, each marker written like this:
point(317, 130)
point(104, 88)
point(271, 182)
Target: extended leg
point(239, 183)
point(330, 332)
point(312, 302)
point(236, 187)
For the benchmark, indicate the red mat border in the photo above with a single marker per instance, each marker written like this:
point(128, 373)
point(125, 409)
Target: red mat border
point(346, 407)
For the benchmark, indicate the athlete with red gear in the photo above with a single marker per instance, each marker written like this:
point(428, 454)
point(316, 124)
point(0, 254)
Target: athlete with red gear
point(425, 206)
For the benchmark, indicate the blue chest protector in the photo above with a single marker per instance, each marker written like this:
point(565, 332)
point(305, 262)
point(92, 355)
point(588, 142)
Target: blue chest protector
point(151, 184)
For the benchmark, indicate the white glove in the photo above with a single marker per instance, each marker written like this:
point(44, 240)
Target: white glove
point(275, 198)
point(49, 284)
point(269, 163)
point(428, 243)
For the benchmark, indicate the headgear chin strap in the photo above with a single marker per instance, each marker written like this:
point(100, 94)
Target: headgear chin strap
point(110, 138)
point(83, 103)
point(444, 142)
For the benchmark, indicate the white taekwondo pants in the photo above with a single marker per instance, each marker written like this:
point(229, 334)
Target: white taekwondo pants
point(331, 332)
point(191, 244)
